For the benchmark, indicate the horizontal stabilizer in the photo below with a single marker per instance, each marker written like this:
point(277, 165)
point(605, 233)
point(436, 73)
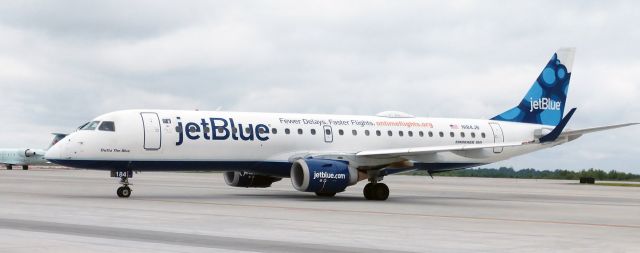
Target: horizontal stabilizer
point(579, 132)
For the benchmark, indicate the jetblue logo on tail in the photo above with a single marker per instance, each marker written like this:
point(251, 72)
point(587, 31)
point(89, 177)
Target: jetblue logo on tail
point(545, 104)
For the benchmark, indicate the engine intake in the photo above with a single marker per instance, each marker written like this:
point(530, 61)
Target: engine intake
point(319, 175)
point(247, 180)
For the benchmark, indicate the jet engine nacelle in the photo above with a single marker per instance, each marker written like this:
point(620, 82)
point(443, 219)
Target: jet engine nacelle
point(319, 175)
point(29, 153)
point(242, 179)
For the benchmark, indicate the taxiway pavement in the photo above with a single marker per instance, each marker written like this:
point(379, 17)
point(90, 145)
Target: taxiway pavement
point(52, 210)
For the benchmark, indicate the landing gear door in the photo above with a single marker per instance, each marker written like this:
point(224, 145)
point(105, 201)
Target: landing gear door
point(152, 133)
point(328, 133)
point(498, 136)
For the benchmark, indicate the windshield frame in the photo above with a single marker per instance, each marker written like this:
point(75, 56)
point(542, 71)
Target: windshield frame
point(90, 126)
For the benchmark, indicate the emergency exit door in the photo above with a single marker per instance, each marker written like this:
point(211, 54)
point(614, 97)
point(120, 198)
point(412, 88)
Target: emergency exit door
point(498, 136)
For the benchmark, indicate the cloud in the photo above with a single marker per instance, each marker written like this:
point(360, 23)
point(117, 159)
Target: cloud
point(63, 63)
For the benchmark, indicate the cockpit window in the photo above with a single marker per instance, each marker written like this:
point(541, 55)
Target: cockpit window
point(81, 126)
point(107, 126)
point(90, 126)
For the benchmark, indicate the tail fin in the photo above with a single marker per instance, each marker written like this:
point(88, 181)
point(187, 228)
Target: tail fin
point(56, 138)
point(544, 103)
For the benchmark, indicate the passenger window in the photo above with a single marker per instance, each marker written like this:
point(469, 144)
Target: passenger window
point(274, 130)
point(390, 133)
point(221, 129)
point(473, 135)
point(452, 134)
point(378, 133)
point(441, 134)
point(366, 132)
point(430, 134)
point(483, 135)
point(354, 132)
point(192, 129)
point(313, 131)
point(247, 130)
point(462, 134)
point(340, 132)
point(287, 131)
point(299, 130)
point(234, 130)
point(107, 126)
point(261, 130)
point(90, 126)
point(421, 134)
point(327, 132)
point(410, 134)
point(400, 133)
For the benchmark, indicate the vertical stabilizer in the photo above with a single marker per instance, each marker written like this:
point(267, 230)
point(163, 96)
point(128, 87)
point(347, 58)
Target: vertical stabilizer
point(545, 101)
point(56, 138)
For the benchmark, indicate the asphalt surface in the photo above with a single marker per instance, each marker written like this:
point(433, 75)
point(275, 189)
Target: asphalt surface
point(52, 210)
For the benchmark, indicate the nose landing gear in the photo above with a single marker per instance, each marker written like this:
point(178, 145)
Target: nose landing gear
point(124, 191)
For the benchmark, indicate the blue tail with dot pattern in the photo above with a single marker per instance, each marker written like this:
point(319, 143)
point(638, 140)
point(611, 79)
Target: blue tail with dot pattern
point(545, 101)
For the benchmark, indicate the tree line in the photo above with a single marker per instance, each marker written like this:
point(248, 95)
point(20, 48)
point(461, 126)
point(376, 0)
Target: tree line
point(508, 172)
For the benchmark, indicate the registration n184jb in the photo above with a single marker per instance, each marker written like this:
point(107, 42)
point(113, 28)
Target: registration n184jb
point(323, 154)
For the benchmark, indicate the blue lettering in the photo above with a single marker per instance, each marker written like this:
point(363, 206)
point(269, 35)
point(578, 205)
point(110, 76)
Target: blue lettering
point(234, 130)
point(205, 132)
point(180, 131)
point(248, 130)
point(192, 128)
point(265, 130)
point(216, 129)
point(221, 129)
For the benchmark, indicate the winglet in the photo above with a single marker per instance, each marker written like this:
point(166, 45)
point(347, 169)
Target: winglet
point(553, 135)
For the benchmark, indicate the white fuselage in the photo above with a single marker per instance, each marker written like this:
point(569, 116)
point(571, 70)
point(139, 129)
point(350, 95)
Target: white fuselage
point(206, 140)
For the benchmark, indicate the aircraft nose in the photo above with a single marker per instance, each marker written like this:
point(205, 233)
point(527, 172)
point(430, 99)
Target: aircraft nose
point(54, 152)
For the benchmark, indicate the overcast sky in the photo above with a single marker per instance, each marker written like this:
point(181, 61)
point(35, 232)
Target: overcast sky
point(65, 62)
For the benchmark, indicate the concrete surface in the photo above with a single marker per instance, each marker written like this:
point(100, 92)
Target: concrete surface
point(50, 210)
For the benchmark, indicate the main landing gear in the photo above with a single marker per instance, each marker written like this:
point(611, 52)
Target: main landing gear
point(9, 167)
point(124, 191)
point(375, 190)
point(25, 167)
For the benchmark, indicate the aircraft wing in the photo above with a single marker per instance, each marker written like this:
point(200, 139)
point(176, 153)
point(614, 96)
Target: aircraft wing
point(392, 155)
point(386, 153)
point(573, 134)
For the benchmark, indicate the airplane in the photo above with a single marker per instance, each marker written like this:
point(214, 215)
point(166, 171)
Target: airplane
point(26, 156)
point(323, 154)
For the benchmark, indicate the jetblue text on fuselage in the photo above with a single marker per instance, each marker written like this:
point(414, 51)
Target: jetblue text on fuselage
point(544, 104)
point(220, 129)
